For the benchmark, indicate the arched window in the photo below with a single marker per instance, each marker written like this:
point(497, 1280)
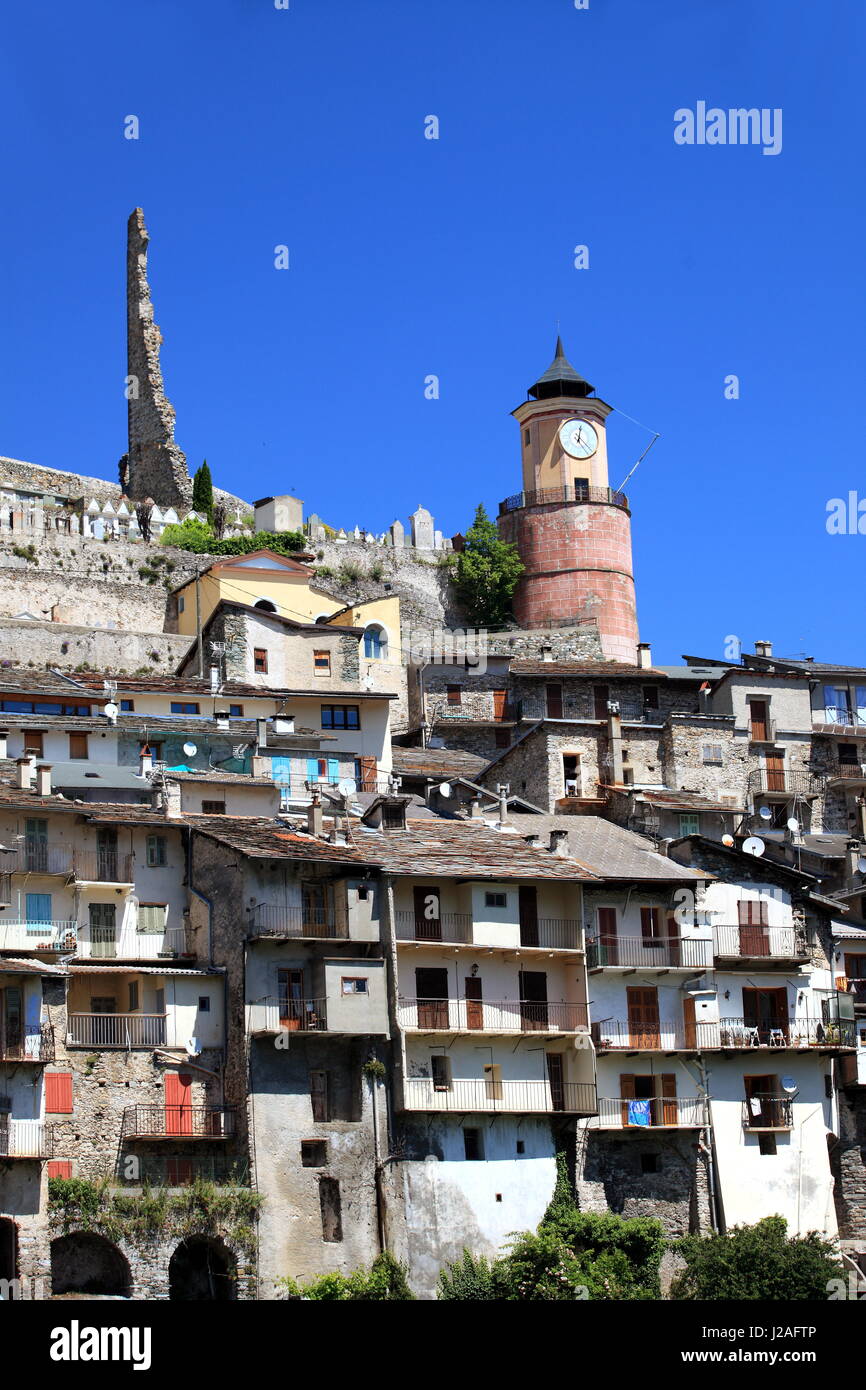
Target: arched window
point(376, 643)
point(266, 605)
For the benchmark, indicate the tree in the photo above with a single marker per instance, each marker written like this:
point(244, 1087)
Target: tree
point(757, 1262)
point(202, 492)
point(487, 573)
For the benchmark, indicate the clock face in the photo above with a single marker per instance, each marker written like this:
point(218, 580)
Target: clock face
point(578, 438)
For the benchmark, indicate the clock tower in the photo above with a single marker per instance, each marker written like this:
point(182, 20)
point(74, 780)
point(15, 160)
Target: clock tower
point(573, 533)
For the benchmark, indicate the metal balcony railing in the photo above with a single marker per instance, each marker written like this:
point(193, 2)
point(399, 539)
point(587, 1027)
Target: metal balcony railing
point(112, 943)
point(577, 492)
point(766, 783)
point(768, 1112)
point(840, 714)
point(102, 866)
point(39, 857)
point(448, 926)
point(847, 772)
point(23, 934)
point(273, 1015)
point(551, 933)
point(182, 1169)
point(492, 1096)
point(296, 922)
point(24, 1138)
point(757, 942)
point(30, 1045)
point(484, 1016)
point(643, 953)
point(178, 1122)
point(117, 1030)
point(683, 1112)
point(666, 1036)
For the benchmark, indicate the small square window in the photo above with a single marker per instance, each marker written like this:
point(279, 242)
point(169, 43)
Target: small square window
point(649, 1163)
point(322, 663)
point(712, 754)
point(133, 996)
point(157, 853)
point(260, 660)
point(204, 1003)
point(314, 1153)
point(77, 746)
point(495, 900)
point(690, 825)
point(236, 711)
point(213, 808)
point(355, 984)
point(127, 706)
point(526, 439)
point(454, 694)
point(363, 892)
point(440, 1068)
point(521, 1146)
point(473, 1145)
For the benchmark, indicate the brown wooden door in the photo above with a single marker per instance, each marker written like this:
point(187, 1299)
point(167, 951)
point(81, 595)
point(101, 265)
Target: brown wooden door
point(428, 917)
point(627, 1093)
point(431, 985)
point(673, 941)
point(758, 720)
point(533, 999)
point(775, 770)
point(669, 1097)
point(754, 936)
point(553, 696)
point(499, 701)
point(528, 908)
point(643, 1016)
point(690, 1023)
point(650, 928)
point(556, 1077)
point(607, 936)
point(474, 1006)
point(600, 698)
point(761, 1105)
point(368, 770)
point(291, 998)
point(178, 1102)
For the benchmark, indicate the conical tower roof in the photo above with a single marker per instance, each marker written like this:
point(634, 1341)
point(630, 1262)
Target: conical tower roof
point(560, 379)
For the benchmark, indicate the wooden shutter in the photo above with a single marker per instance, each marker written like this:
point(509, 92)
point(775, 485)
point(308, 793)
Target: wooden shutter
point(554, 701)
point(649, 924)
point(58, 1093)
point(319, 1096)
point(626, 1091)
point(607, 935)
point(669, 1101)
point(60, 1168)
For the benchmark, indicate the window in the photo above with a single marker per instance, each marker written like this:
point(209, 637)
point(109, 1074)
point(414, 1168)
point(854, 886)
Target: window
point(340, 717)
point(78, 746)
point(322, 663)
point(495, 900)
point(319, 1098)
point(43, 707)
point(363, 892)
point(848, 755)
point(502, 738)
point(236, 711)
point(354, 984)
point(329, 1200)
point(690, 825)
point(649, 1163)
point(440, 1068)
point(650, 697)
point(184, 707)
point(767, 1144)
point(473, 1146)
point(157, 853)
point(260, 660)
point(375, 644)
point(33, 742)
point(553, 701)
point(454, 694)
point(151, 919)
point(712, 754)
point(650, 926)
point(204, 1003)
point(58, 1093)
point(600, 696)
point(571, 773)
point(213, 808)
point(127, 707)
point(133, 996)
point(60, 1168)
point(521, 1146)
point(314, 1153)
point(526, 439)
point(154, 748)
point(181, 603)
point(394, 816)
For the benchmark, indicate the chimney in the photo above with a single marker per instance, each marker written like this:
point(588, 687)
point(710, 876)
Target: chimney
point(4, 734)
point(214, 679)
point(262, 732)
point(853, 853)
point(259, 766)
point(763, 649)
point(475, 809)
point(559, 843)
point(23, 774)
point(171, 800)
point(533, 841)
point(614, 738)
point(314, 812)
point(644, 656)
point(284, 723)
point(222, 718)
point(547, 652)
point(43, 779)
point(145, 761)
point(503, 790)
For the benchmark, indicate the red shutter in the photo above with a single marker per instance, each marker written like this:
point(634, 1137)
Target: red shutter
point(60, 1168)
point(58, 1093)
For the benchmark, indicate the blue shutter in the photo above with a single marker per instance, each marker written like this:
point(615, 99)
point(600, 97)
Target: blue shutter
point(312, 769)
point(333, 770)
point(38, 911)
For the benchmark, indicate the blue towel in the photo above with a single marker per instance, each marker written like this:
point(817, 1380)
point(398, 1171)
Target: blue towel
point(639, 1112)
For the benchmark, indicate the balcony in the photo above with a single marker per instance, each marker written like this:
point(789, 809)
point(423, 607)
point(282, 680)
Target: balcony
point(577, 492)
point(784, 784)
point(102, 866)
point(34, 1045)
point(24, 1138)
point(851, 775)
point(501, 1097)
point(483, 1016)
point(764, 1113)
point(839, 719)
point(178, 1122)
point(107, 943)
point(296, 923)
point(458, 928)
point(726, 1034)
point(658, 1112)
point(643, 953)
point(20, 934)
point(39, 857)
point(116, 1030)
point(273, 1015)
point(762, 944)
point(181, 1170)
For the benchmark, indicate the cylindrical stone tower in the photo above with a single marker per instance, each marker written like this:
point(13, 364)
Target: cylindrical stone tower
point(573, 533)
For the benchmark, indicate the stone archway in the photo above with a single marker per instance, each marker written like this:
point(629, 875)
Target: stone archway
point(202, 1268)
point(86, 1263)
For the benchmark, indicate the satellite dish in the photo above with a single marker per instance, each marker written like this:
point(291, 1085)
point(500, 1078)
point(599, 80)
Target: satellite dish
point(190, 749)
point(754, 845)
point(765, 813)
point(861, 863)
point(793, 825)
point(110, 710)
point(347, 787)
point(444, 788)
point(789, 1085)
point(727, 841)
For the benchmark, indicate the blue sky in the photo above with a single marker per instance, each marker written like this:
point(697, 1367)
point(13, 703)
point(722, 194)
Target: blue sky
point(305, 127)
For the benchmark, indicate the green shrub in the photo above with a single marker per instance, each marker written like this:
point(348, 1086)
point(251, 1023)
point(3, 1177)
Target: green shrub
point(385, 1281)
point(757, 1262)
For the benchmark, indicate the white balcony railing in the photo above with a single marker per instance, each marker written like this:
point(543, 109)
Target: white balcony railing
point(494, 1096)
point(491, 1016)
point(107, 943)
point(33, 935)
point(274, 1015)
point(23, 1138)
point(117, 1030)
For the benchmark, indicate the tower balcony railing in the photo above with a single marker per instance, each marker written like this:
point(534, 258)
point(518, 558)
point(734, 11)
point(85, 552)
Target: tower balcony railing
point(750, 943)
point(459, 928)
point(178, 1122)
point(768, 1112)
point(116, 1030)
point(35, 934)
point(665, 1035)
point(576, 492)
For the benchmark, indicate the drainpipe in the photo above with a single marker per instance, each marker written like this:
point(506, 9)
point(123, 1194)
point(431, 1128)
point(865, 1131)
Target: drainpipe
point(708, 1146)
point(378, 1168)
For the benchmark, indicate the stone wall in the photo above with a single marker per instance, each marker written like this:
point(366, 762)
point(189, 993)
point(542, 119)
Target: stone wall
point(70, 648)
point(848, 1166)
point(609, 1177)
